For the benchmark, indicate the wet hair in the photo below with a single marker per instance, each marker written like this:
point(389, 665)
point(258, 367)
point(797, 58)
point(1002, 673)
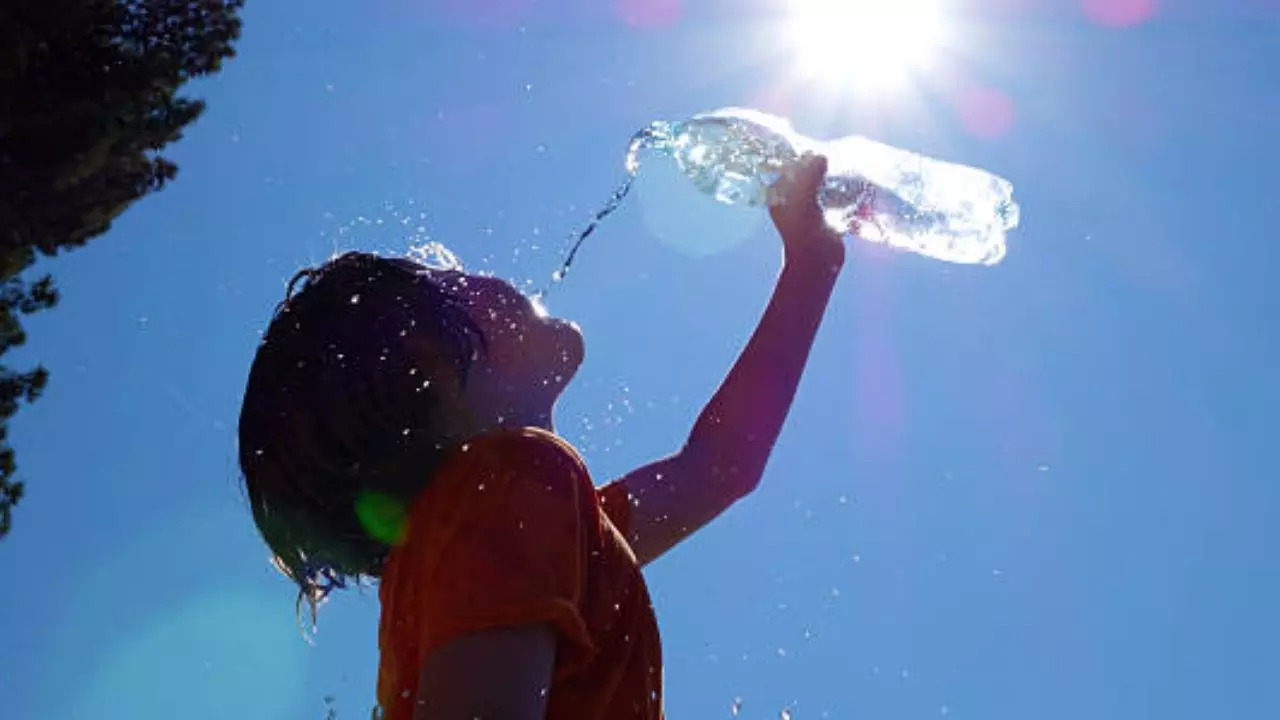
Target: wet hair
point(342, 422)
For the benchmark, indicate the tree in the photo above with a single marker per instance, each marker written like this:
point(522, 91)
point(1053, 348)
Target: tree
point(88, 100)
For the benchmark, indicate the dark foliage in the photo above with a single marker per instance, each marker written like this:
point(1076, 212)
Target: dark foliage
point(88, 100)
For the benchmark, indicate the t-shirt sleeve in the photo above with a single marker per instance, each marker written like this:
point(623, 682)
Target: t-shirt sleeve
point(514, 552)
point(616, 503)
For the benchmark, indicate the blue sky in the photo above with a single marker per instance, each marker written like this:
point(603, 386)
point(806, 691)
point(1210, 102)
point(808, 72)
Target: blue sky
point(1037, 490)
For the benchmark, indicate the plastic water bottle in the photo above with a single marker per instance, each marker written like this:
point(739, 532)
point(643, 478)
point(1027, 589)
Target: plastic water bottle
point(880, 193)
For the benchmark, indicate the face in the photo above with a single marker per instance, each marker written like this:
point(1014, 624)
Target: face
point(529, 359)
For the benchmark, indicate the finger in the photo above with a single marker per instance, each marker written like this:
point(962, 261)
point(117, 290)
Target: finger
point(798, 186)
point(811, 177)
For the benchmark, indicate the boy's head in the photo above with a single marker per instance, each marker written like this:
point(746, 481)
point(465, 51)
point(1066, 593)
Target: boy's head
point(371, 370)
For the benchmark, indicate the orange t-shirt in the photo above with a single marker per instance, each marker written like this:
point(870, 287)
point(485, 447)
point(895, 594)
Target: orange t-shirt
point(511, 531)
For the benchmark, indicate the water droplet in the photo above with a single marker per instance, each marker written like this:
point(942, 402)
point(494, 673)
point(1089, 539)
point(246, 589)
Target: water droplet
point(844, 499)
point(1042, 467)
point(355, 299)
point(944, 710)
point(784, 714)
point(480, 487)
point(782, 652)
point(857, 558)
point(736, 707)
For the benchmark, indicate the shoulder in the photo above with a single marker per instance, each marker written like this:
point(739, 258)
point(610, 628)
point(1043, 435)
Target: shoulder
point(514, 464)
point(527, 450)
point(499, 483)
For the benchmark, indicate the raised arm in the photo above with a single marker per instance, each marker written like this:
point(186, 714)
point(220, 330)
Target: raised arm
point(726, 452)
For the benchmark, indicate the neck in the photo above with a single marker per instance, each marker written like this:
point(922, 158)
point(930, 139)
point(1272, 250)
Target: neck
point(496, 406)
point(509, 418)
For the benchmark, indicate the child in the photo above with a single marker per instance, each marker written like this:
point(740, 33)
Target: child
point(397, 425)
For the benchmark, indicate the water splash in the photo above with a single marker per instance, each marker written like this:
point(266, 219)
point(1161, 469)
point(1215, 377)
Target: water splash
point(434, 255)
point(656, 135)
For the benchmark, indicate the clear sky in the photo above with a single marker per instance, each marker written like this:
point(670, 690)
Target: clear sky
point(1036, 490)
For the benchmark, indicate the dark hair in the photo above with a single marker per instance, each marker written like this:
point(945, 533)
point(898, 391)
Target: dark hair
point(342, 424)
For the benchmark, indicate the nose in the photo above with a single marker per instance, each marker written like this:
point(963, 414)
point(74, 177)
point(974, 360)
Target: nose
point(564, 324)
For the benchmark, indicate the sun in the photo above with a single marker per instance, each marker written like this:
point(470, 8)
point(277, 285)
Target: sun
point(863, 45)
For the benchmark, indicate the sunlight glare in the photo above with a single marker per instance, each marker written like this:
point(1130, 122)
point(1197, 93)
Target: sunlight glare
point(864, 44)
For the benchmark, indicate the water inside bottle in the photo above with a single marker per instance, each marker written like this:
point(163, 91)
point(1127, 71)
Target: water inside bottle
point(938, 209)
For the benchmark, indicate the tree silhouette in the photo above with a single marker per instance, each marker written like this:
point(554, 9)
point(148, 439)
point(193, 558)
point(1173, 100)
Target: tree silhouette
point(88, 100)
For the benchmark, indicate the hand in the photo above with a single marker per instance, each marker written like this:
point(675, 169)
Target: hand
point(806, 238)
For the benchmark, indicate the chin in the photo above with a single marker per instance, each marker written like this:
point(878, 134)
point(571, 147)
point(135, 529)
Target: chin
point(570, 349)
point(534, 374)
point(558, 378)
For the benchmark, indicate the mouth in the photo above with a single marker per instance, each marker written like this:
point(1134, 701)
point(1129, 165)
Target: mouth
point(541, 312)
point(539, 309)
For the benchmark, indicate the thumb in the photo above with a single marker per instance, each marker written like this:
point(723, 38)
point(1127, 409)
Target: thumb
point(797, 188)
point(812, 174)
point(816, 171)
